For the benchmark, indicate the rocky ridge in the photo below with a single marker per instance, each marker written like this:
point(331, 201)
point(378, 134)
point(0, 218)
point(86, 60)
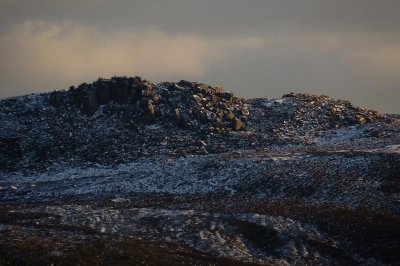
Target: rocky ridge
point(189, 172)
point(136, 117)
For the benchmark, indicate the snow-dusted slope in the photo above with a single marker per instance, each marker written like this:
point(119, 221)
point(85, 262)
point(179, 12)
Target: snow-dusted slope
point(189, 172)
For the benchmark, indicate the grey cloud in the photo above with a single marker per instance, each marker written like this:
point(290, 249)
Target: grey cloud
point(51, 55)
point(212, 16)
point(258, 48)
point(357, 69)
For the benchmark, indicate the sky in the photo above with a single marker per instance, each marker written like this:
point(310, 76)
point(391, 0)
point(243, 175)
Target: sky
point(256, 48)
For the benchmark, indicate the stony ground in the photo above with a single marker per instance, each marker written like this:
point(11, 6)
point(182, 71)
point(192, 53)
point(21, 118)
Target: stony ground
point(124, 172)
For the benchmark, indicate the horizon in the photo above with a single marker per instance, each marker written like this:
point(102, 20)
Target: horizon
point(262, 49)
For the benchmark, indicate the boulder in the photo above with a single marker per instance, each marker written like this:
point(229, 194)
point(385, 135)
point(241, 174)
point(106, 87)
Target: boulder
point(150, 111)
point(198, 99)
point(361, 120)
point(186, 84)
point(181, 120)
point(230, 116)
point(238, 124)
point(145, 90)
point(245, 111)
point(156, 98)
point(217, 90)
point(227, 96)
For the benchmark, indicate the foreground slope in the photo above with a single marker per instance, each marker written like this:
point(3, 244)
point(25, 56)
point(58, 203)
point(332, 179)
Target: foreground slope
point(127, 171)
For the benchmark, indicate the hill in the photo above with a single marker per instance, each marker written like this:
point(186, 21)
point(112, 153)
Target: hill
point(124, 170)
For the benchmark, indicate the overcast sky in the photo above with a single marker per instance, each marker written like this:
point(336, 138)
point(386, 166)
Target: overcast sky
point(347, 49)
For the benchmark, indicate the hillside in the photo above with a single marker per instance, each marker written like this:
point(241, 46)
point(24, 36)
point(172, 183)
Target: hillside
point(124, 170)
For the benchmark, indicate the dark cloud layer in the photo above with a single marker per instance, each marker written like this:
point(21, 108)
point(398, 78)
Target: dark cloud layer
point(258, 48)
point(214, 15)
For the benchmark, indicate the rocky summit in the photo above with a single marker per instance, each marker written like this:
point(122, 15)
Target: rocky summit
point(124, 171)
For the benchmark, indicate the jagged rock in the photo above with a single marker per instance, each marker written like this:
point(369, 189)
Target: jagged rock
point(174, 87)
point(198, 99)
point(289, 95)
point(185, 83)
point(156, 98)
point(379, 133)
point(182, 121)
point(201, 116)
point(361, 120)
point(200, 143)
point(104, 91)
point(245, 111)
point(227, 96)
point(238, 124)
point(103, 94)
point(120, 91)
point(230, 116)
point(90, 102)
point(116, 89)
point(218, 90)
point(150, 113)
point(55, 99)
point(145, 90)
point(178, 113)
